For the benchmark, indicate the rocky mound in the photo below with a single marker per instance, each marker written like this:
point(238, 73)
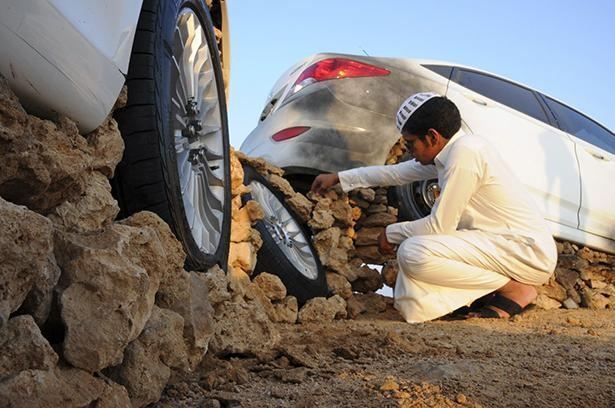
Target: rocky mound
point(100, 312)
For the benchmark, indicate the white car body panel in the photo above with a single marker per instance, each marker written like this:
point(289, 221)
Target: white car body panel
point(597, 215)
point(526, 144)
point(66, 56)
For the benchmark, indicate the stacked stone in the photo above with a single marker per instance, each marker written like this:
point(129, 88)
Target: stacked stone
point(583, 277)
point(92, 311)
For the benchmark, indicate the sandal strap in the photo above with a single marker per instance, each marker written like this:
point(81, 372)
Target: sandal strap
point(509, 306)
point(487, 313)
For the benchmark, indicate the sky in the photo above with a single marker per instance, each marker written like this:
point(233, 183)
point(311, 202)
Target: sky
point(565, 48)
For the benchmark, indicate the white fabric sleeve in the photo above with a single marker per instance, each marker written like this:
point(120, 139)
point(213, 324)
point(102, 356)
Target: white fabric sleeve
point(458, 183)
point(389, 175)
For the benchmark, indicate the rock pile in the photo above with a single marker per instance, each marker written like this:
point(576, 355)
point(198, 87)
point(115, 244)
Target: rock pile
point(582, 278)
point(92, 311)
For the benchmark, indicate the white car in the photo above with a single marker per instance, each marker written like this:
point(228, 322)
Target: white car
point(73, 57)
point(332, 112)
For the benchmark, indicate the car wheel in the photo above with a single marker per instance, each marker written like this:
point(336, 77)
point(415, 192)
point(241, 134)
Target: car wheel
point(287, 250)
point(416, 199)
point(174, 125)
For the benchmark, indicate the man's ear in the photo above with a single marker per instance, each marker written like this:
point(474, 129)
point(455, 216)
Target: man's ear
point(433, 135)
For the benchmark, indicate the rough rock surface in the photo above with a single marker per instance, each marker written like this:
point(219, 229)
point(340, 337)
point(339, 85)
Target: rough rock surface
point(28, 270)
point(23, 347)
point(109, 281)
point(322, 309)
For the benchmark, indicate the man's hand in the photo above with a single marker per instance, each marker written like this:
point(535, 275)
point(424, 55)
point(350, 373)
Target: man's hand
point(384, 246)
point(322, 182)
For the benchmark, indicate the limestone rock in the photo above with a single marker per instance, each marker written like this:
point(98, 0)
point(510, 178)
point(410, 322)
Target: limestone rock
point(187, 295)
point(368, 280)
point(217, 285)
point(158, 348)
point(23, 347)
point(301, 206)
point(271, 285)
point(43, 163)
point(322, 309)
point(237, 173)
point(109, 280)
point(368, 236)
point(242, 255)
point(281, 184)
point(370, 254)
point(322, 218)
point(342, 212)
point(68, 387)
point(287, 310)
point(113, 396)
point(570, 304)
point(243, 327)
point(339, 285)
point(91, 211)
point(389, 273)
point(553, 290)
point(545, 302)
point(28, 270)
point(381, 219)
point(106, 147)
point(372, 303)
point(366, 194)
point(260, 165)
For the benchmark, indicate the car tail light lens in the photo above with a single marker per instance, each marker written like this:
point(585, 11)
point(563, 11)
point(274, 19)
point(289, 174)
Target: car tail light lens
point(336, 68)
point(289, 133)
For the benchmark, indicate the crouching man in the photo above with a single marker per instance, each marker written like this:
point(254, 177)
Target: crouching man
point(484, 234)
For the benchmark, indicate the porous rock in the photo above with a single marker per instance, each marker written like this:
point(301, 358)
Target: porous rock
point(28, 270)
point(59, 387)
point(158, 348)
point(109, 281)
point(23, 347)
point(243, 327)
point(90, 211)
point(271, 285)
point(321, 309)
point(339, 285)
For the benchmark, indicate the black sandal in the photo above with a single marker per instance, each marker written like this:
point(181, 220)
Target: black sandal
point(503, 303)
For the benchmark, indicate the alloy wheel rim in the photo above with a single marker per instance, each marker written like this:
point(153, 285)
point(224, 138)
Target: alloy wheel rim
point(285, 231)
point(196, 122)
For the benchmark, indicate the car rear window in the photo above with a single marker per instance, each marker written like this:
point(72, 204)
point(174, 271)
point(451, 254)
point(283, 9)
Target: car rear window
point(581, 126)
point(504, 92)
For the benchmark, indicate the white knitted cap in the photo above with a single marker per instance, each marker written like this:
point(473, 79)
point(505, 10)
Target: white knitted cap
point(410, 105)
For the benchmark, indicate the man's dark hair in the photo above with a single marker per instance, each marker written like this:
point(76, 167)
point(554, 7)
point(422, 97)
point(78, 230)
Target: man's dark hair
point(438, 113)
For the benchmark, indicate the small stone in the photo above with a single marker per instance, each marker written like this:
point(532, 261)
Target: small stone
point(271, 285)
point(379, 220)
point(389, 384)
point(461, 399)
point(570, 304)
point(339, 285)
point(545, 302)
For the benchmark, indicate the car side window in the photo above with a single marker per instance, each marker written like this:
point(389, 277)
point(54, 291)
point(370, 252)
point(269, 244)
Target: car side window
point(504, 92)
point(443, 70)
point(581, 126)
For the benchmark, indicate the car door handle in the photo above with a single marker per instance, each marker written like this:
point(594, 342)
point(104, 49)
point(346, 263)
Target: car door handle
point(597, 155)
point(479, 102)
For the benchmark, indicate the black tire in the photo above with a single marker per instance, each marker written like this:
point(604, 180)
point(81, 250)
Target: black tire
point(148, 177)
point(272, 259)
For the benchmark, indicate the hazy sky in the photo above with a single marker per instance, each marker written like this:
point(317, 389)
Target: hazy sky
point(563, 48)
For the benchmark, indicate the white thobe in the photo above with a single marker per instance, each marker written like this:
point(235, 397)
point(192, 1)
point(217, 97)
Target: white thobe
point(483, 229)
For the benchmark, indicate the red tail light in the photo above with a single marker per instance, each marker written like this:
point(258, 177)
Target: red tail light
point(336, 68)
point(290, 133)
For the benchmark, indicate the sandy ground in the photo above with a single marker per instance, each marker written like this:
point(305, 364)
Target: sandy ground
point(555, 358)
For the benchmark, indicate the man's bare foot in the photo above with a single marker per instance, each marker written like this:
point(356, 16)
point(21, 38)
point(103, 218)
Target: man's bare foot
point(519, 293)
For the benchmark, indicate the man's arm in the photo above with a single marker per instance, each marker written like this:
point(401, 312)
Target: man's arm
point(458, 183)
point(390, 175)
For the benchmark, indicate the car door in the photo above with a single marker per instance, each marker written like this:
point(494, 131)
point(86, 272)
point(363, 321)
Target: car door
point(595, 148)
point(515, 121)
